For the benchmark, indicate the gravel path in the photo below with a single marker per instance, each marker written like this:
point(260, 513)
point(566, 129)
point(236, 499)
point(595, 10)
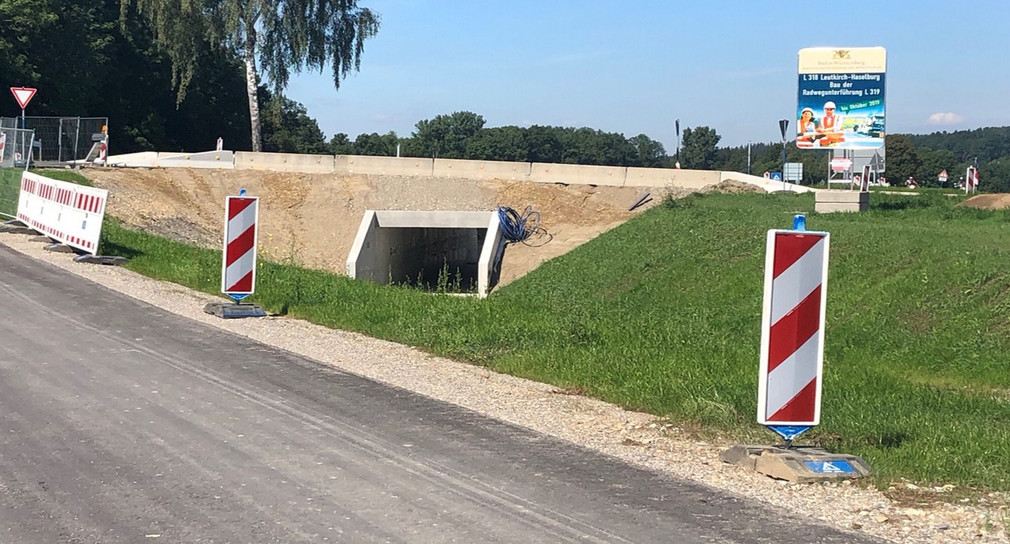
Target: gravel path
point(634, 437)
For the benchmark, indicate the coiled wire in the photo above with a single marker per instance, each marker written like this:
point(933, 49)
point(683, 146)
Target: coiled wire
point(518, 228)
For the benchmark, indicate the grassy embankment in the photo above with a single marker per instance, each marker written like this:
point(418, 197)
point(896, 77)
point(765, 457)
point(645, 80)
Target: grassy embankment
point(662, 314)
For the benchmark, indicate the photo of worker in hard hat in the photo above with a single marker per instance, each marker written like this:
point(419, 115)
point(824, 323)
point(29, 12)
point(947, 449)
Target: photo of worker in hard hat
point(829, 126)
point(806, 129)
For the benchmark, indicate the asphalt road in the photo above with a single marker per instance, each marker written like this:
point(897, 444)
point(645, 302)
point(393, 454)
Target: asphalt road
point(120, 422)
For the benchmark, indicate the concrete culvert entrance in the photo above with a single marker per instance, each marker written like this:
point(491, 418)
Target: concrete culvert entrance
point(450, 251)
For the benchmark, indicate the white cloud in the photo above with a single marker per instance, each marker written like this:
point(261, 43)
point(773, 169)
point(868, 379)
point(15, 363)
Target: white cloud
point(944, 118)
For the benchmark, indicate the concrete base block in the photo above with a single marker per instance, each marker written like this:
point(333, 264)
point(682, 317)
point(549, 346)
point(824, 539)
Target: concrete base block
point(841, 201)
point(101, 259)
point(797, 464)
point(42, 238)
point(227, 310)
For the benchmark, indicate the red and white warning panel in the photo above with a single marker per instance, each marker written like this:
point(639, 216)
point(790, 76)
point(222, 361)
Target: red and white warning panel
point(238, 271)
point(66, 212)
point(792, 328)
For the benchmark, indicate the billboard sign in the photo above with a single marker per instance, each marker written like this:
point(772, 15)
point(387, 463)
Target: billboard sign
point(841, 98)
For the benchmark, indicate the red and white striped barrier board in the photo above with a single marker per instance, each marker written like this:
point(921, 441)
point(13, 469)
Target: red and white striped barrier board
point(792, 328)
point(238, 269)
point(66, 212)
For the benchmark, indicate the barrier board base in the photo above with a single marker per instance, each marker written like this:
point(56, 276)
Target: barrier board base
point(797, 464)
point(59, 248)
point(227, 310)
point(101, 259)
point(17, 228)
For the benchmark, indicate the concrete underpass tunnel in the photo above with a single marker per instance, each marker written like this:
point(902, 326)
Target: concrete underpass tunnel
point(452, 251)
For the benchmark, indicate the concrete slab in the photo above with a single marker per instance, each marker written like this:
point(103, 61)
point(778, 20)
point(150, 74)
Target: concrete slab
point(456, 168)
point(109, 260)
point(578, 173)
point(841, 201)
point(285, 162)
point(217, 160)
point(143, 159)
point(670, 177)
point(387, 166)
point(800, 464)
point(226, 310)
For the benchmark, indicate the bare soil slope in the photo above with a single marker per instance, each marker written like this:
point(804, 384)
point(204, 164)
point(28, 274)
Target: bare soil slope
point(311, 219)
point(995, 201)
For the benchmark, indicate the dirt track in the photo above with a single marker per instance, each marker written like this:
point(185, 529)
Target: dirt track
point(311, 219)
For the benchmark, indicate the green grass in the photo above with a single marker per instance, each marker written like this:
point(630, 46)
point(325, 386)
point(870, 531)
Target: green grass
point(10, 185)
point(662, 314)
point(64, 174)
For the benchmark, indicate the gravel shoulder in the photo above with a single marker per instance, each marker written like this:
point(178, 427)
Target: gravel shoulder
point(636, 438)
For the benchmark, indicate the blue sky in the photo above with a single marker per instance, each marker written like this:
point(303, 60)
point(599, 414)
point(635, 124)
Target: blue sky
point(635, 67)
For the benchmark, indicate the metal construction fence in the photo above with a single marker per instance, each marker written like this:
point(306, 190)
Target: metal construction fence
point(15, 147)
point(61, 139)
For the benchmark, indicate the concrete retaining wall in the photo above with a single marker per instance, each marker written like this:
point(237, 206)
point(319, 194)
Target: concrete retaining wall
point(456, 168)
point(217, 160)
point(662, 177)
point(285, 162)
point(578, 174)
point(143, 159)
point(389, 166)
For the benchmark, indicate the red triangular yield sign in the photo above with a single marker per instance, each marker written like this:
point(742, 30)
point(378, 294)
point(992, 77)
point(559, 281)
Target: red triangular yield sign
point(23, 95)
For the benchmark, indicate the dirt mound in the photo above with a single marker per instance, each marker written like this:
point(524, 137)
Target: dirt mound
point(996, 201)
point(732, 186)
point(311, 219)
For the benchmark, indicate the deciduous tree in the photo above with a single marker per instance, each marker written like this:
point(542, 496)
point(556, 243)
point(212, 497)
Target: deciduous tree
point(698, 148)
point(284, 36)
point(446, 136)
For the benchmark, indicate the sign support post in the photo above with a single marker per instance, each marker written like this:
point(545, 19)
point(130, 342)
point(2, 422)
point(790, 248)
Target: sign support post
point(783, 126)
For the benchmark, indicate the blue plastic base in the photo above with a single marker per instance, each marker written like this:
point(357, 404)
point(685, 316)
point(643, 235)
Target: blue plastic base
point(789, 432)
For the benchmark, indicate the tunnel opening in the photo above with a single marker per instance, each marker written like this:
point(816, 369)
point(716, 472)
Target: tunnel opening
point(435, 251)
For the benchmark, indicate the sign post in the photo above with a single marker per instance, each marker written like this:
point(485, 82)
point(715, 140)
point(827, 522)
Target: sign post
point(783, 126)
point(238, 263)
point(677, 125)
point(23, 95)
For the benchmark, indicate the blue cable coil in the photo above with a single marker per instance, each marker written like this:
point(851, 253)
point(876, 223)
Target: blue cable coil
point(518, 227)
